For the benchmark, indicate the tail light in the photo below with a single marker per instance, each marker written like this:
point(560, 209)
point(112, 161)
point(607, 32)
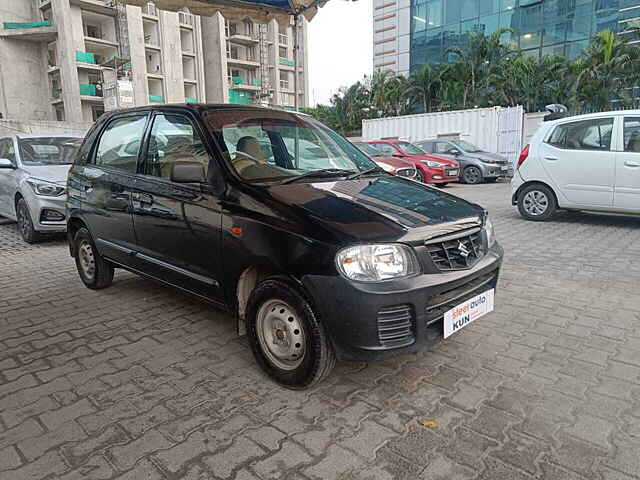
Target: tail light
point(523, 155)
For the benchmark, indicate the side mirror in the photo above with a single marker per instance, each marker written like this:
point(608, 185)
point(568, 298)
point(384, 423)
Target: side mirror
point(6, 163)
point(397, 155)
point(453, 151)
point(187, 172)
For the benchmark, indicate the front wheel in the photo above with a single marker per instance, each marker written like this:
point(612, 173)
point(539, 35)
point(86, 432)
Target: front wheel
point(537, 203)
point(25, 224)
point(491, 180)
point(287, 341)
point(419, 176)
point(95, 272)
point(472, 175)
point(442, 185)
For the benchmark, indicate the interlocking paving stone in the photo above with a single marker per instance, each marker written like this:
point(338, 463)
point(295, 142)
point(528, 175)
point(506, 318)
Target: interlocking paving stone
point(139, 381)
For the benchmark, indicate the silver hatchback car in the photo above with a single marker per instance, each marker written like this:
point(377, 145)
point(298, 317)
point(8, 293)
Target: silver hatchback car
point(33, 178)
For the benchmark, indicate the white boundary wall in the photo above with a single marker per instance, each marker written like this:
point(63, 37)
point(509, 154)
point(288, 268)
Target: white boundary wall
point(37, 127)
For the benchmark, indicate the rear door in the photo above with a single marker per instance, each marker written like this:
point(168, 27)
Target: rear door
point(579, 159)
point(627, 188)
point(110, 177)
point(178, 225)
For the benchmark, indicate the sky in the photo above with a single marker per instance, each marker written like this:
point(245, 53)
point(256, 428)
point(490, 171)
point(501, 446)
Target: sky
point(340, 47)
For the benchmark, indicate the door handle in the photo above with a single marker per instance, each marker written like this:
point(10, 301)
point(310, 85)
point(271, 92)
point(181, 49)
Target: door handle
point(550, 158)
point(629, 163)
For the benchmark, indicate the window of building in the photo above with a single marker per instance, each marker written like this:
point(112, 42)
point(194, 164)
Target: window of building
point(585, 135)
point(632, 134)
point(174, 140)
point(120, 142)
point(282, 51)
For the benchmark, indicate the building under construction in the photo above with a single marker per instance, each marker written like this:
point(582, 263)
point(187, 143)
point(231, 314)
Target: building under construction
point(73, 59)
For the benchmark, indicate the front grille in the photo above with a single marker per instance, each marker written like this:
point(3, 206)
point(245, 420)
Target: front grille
point(406, 172)
point(395, 325)
point(439, 304)
point(458, 253)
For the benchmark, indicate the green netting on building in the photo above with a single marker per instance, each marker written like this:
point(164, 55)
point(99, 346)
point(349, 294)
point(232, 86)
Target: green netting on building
point(88, 89)
point(240, 97)
point(85, 57)
point(236, 80)
point(156, 98)
point(21, 25)
point(191, 100)
point(256, 82)
point(285, 61)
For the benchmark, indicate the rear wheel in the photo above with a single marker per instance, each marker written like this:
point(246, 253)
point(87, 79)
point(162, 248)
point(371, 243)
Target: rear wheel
point(25, 224)
point(472, 175)
point(537, 203)
point(287, 340)
point(95, 272)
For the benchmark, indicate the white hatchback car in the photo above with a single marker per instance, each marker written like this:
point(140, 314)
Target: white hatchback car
point(588, 162)
point(33, 182)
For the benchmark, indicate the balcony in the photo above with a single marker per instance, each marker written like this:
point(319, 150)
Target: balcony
point(239, 97)
point(240, 83)
point(284, 84)
point(186, 19)
point(243, 38)
point(31, 31)
point(150, 9)
point(103, 7)
point(247, 62)
point(190, 100)
point(91, 92)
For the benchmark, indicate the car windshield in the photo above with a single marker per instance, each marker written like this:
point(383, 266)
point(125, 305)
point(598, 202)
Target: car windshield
point(410, 148)
point(369, 150)
point(271, 145)
point(466, 146)
point(42, 151)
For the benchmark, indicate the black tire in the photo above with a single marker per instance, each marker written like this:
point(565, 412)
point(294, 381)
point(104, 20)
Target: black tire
point(537, 203)
point(419, 176)
point(86, 253)
point(441, 185)
point(25, 223)
point(491, 180)
point(472, 175)
point(317, 359)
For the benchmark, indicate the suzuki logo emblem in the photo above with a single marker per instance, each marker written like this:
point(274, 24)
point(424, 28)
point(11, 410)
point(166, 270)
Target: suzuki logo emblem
point(464, 251)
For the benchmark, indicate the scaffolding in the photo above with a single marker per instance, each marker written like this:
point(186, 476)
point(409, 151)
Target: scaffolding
point(266, 91)
point(116, 70)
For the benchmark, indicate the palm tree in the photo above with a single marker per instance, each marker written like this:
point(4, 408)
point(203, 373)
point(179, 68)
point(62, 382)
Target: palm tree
point(481, 55)
point(423, 86)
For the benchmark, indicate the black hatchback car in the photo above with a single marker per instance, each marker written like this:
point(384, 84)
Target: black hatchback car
point(272, 216)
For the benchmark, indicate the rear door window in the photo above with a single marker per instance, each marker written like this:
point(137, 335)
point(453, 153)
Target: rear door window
point(119, 144)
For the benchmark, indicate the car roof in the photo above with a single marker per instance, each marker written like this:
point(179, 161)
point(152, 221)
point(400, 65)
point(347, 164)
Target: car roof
point(588, 116)
point(201, 107)
point(43, 135)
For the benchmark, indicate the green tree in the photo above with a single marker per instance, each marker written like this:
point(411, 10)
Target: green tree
point(423, 86)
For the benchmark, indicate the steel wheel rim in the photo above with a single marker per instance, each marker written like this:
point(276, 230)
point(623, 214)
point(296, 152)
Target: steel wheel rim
point(23, 220)
point(280, 334)
point(535, 203)
point(86, 259)
point(472, 175)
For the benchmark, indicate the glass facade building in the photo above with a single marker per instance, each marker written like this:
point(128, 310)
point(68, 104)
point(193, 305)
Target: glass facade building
point(541, 27)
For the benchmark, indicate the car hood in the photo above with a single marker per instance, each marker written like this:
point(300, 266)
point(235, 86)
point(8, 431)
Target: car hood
point(492, 157)
point(384, 208)
point(434, 158)
point(50, 173)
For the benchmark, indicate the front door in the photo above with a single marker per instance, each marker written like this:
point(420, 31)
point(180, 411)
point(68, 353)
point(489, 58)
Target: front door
point(178, 225)
point(110, 177)
point(578, 158)
point(8, 178)
point(627, 192)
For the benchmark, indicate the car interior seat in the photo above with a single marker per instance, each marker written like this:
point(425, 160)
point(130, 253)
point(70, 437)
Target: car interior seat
point(248, 153)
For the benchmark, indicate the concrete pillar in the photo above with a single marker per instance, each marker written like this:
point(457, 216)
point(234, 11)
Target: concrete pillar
point(215, 59)
point(137, 54)
point(67, 46)
point(172, 57)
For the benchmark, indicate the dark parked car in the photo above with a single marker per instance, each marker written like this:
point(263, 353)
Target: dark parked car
point(477, 165)
point(319, 253)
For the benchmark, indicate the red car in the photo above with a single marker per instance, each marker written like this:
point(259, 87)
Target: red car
point(390, 164)
point(431, 168)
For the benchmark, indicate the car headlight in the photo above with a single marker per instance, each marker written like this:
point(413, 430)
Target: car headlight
point(373, 263)
point(46, 189)
point(489, 232)
point(387, 168)
point(433, 164)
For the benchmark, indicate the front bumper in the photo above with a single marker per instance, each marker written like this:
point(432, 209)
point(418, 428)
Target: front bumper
point(38, 207)
point(439, 175)
point(355, 315)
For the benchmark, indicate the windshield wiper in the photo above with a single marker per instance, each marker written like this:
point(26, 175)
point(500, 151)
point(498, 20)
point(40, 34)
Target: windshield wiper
point(325, 172)
point(364, 172)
